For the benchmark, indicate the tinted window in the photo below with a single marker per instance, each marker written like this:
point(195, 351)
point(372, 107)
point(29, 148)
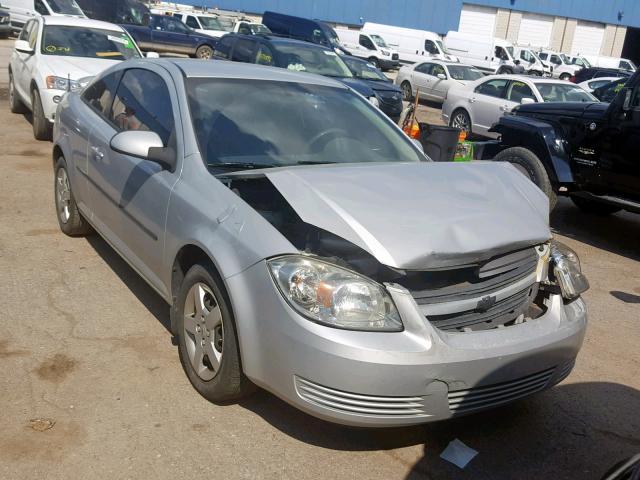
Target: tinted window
point(244, 29)
point(136, 105)
point(99, 95)
point(493, 88)
point(437, 70)
point(367, 43)
point(519, 90)
point(223, 47)
point(192, 22)
point(170, 24)
point(40, 8)
point(430, 47)
point(243, 50)
point(264, 55)
point(555, 59)
point(424, 68)
point(282, 123)
point(543, 56)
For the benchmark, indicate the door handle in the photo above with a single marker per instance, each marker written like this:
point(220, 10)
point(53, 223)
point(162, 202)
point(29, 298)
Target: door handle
point(504, 108)
point(472, 100)
point(97, 153)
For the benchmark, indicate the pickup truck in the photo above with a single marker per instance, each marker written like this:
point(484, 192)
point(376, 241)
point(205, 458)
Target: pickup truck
point(166, 34)
point(589, 151)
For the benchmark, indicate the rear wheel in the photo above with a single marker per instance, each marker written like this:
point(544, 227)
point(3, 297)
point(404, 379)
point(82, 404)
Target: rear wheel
point(407, 91)
point(530, 165)
point(505, 71)
point(70, 219)
point(42, 129)
point(204, 52)
point(565, 76)
point(593, 206)
point(14, 101)
point(460, 119)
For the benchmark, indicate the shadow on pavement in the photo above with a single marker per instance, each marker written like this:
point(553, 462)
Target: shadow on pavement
point(143, 292)
point(618, 233)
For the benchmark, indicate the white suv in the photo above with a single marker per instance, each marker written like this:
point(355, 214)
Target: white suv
point(56, 54)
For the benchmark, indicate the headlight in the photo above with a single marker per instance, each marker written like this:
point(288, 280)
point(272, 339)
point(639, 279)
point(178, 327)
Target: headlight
point(374, 101)
point(334, 296)
point(385, 53)
point(61, 83)
point(566, 268)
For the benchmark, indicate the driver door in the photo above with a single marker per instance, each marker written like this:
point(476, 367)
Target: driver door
point(173, 36)
point(420, 78)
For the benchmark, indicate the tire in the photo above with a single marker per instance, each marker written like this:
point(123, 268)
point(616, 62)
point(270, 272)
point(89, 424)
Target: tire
point(220, 380)
point(530, 165)
point(42, 129)
point(374, 61)
point(15, 103)
point(204, 52)
point(594, 207)
point(407, 91)
point(565, 76)
point(70, 219)
point(505, 71)
point(535, 73)
point(460, 119)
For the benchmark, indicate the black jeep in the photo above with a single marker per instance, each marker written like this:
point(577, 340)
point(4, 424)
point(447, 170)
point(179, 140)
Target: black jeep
point(588, 151)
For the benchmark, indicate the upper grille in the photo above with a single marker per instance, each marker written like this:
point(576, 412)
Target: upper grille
point(358, 404)
point(395, 56)
point(463, 401)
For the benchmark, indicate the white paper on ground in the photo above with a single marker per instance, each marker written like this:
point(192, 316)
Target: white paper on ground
point(458, 453)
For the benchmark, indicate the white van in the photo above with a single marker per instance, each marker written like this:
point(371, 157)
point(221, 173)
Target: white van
point(491, 55)
point(202, 23)
point(560, 62)
point(412, 45)
point(369, 47)
point(530, 61)
point(23, 10)
point(611, 62)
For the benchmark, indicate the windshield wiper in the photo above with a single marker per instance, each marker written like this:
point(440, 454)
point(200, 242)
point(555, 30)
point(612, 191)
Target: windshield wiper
point(313, 162)
point(238, 165)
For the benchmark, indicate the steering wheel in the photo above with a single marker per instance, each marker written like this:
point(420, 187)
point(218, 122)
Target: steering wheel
point(323, 138)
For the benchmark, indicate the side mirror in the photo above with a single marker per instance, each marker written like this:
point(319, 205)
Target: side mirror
point(144, 145)
point(23, 46)
point(527, 101)
point(152, 55)
point(442, 76)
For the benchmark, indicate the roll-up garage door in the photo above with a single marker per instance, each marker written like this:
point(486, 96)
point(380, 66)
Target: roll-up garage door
point(476, 20)
point(587, 39)
point(535, 30)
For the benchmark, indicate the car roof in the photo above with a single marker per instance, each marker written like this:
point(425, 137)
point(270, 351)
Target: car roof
point(196, 68)
point(79, 22)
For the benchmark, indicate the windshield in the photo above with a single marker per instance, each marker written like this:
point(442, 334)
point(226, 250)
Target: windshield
point(87, 42)
point(258, 28)
point(563, 92)
point(211, 23)
point(253, 123)
point(564, 58)
point(312, 59)
point(379, 41)
point(364, 70)
point(227, 23)
point(332, 35)
point(67, 7)
point(510, 50)
point(443, 49)
point(464, 72)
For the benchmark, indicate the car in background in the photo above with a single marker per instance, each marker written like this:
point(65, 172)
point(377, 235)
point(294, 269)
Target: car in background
point(607, 92)
point(56, 54)
point(202, 23)
point(295, 55)
point(23, 10)
point(131, 12)
point(603, 61)
point(434, 78)
point(5, 22)
point(562, 66)
point(579, 60)
point(285, 221)
point(597, 72)
point(167, 34)
point(372, 47)
point(251, 28)
point(389, 95)
point(475, 107)
point(591, 85)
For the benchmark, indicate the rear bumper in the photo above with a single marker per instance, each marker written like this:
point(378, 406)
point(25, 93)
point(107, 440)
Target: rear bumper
point(389, 379)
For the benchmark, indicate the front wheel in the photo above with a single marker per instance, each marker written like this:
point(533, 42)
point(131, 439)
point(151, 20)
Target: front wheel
point(42, 129)
point(593, 206)
point(460, 119)
point(375, 62)
point(70, 219)
point(204, 52)
point(565, 76)
point(530, 166)
point(207, 338)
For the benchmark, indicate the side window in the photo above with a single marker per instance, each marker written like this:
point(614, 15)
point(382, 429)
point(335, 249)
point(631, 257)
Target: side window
point(136, 105)
point(624, 65)
point(173, 25)
point(430, 47)
point(244, 29)
point(493, 88)
point(424, 68)
point(555, 59)
point(543, 56)
point(501, 54)
point(437, 70)
point(223, 47)
point(40, 8)
point(366, 42)
point(243, 50)
point(519, 90)
point(99, 95)
point(526, 56)
point(192, 22)
point(264, 55)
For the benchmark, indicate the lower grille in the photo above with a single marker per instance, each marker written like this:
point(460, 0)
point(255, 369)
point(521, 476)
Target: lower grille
point(463, 401)
point(358, 404)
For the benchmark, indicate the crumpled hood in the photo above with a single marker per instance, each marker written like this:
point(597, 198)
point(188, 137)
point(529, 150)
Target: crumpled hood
point(420, 216)
point(76, 67)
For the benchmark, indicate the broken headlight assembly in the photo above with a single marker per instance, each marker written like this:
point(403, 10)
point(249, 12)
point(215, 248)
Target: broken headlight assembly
point(567, 271)
point(334, 296)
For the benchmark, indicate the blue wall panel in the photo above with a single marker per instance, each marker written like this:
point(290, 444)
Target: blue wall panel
point(436, 15)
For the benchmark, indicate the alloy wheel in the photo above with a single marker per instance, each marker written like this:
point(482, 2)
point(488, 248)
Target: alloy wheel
point(406, 91)
point(63, 195)
point(203, 331)
point(460, 121)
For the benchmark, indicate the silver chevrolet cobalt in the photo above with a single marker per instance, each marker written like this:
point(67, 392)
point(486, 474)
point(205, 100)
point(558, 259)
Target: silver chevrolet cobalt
point(307, 246)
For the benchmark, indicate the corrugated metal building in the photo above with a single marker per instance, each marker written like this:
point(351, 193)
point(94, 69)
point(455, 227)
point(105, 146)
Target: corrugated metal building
point(573, 26)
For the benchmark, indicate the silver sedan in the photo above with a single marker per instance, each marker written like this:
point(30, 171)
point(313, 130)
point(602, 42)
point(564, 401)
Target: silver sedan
point(307, 246)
